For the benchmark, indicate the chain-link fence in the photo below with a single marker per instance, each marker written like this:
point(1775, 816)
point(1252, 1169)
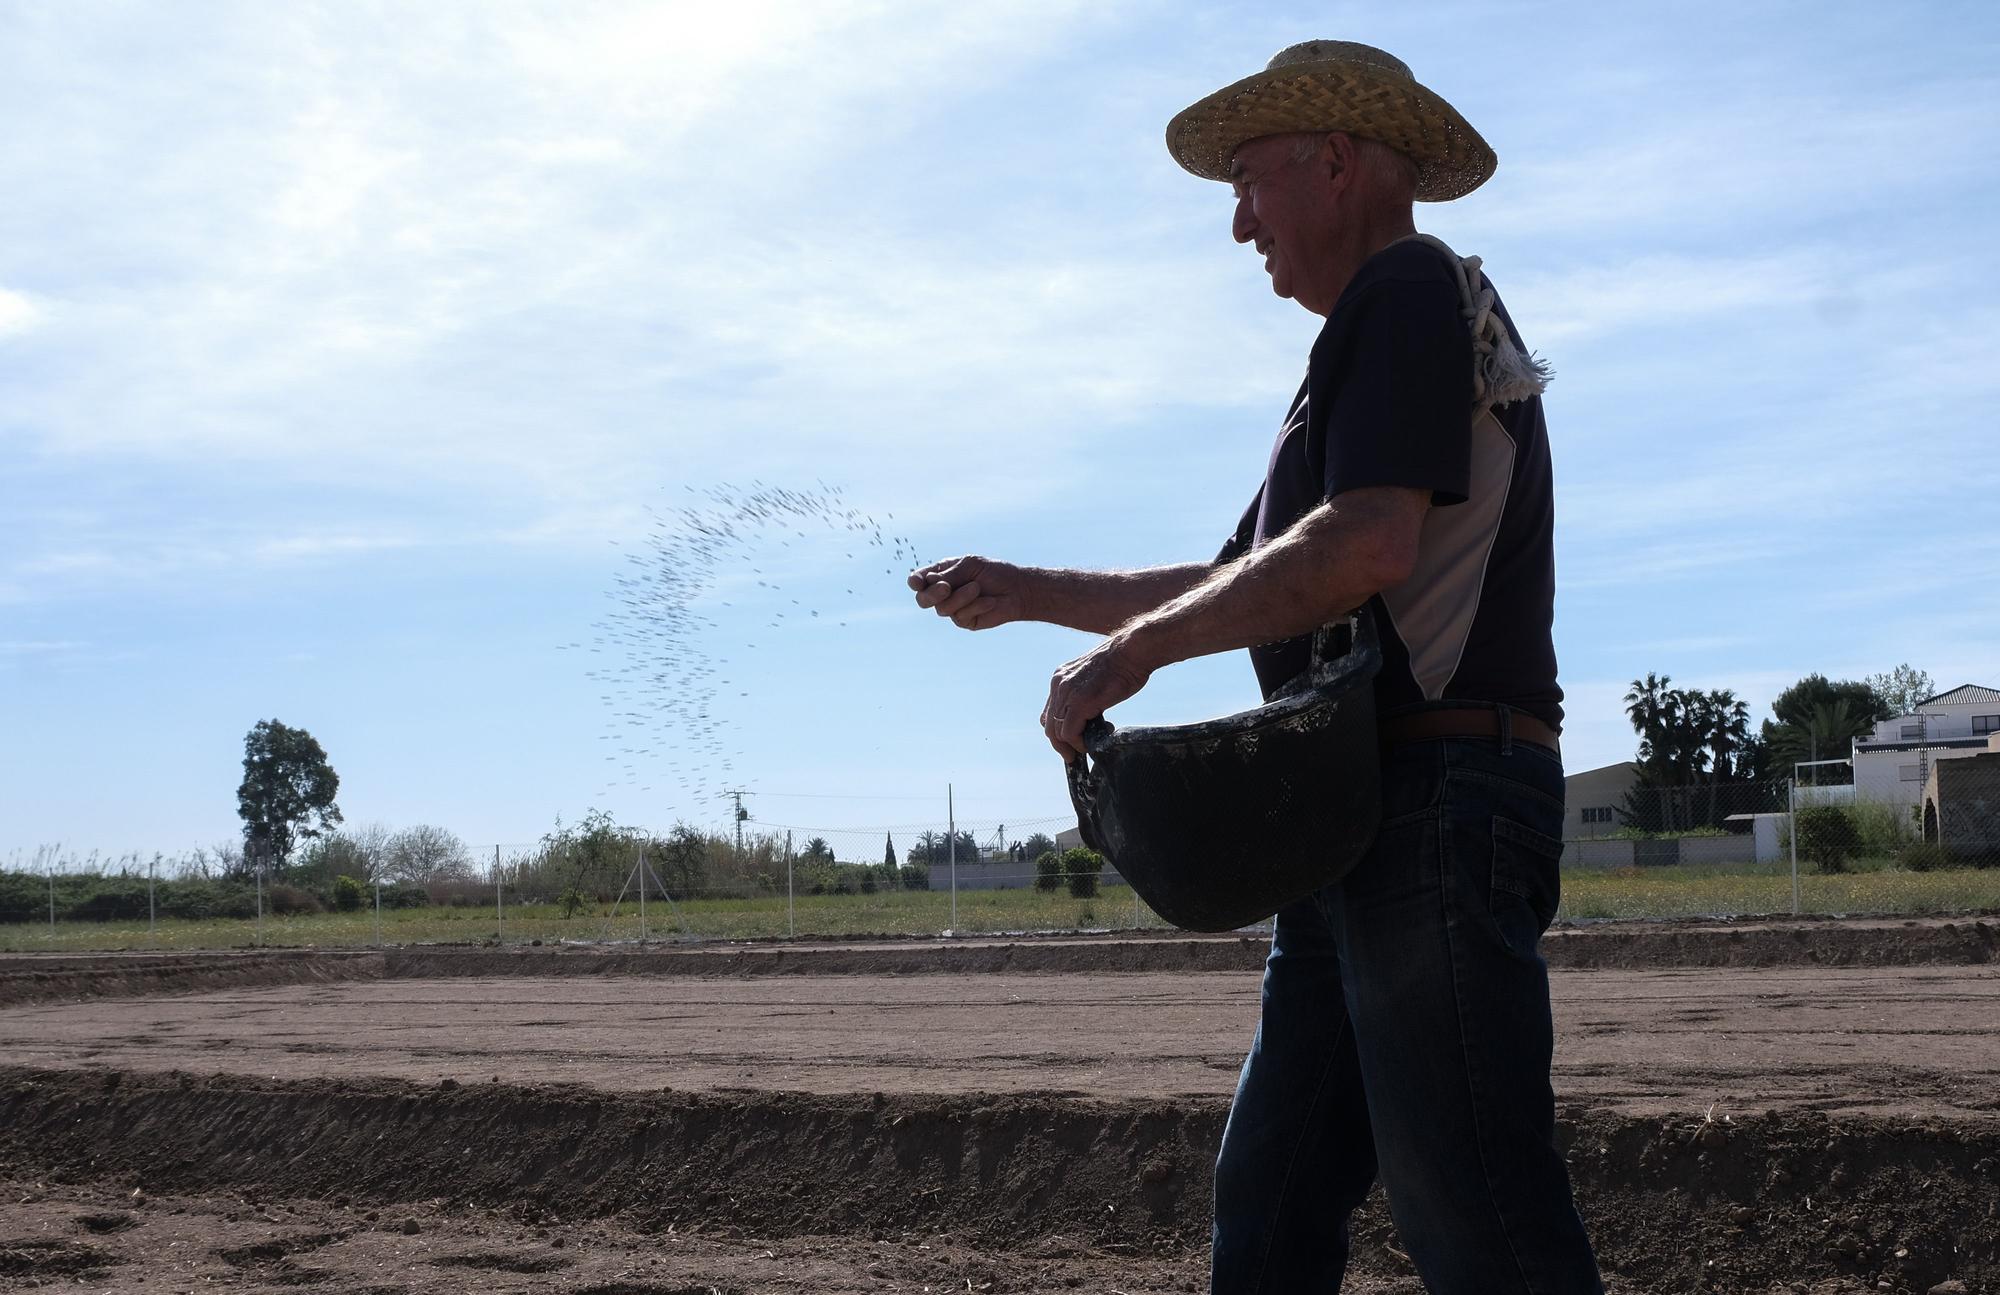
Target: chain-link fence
point(1820, 846)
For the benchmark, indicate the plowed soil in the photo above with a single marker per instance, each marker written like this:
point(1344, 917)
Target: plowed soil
point(497, 1121)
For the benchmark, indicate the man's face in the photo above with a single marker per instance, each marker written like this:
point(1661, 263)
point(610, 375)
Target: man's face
point(1283, 208)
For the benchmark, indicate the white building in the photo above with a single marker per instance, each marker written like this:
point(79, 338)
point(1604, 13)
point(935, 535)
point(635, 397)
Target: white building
point(1892, 763)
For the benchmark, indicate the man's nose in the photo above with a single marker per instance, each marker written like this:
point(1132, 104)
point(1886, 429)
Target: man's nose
point(1244, 225)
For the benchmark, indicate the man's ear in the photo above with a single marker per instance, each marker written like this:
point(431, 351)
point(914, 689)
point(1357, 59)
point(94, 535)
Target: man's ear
point(1336, 154)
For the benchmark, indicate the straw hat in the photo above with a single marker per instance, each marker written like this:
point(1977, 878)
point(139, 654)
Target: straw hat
point(1336, 85)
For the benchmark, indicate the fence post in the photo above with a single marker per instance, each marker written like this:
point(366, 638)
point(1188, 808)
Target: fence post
point(378, 912)
point(642, 892)
point(1792, 826)
point(951, 837)
point(52, 899)
point(152, 910)
point(791, 925)
point(258, 939)
point(499, 909)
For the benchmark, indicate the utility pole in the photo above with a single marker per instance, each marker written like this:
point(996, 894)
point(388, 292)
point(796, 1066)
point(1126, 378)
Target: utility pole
point(741, 814)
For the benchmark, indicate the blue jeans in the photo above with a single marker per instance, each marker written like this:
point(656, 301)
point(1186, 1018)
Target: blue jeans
point(1406, 1033)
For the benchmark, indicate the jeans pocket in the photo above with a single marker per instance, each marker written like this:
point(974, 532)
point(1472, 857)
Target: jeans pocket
point(1527, 882)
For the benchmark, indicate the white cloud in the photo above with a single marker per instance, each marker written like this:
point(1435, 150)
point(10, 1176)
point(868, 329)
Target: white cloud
point(18, 314)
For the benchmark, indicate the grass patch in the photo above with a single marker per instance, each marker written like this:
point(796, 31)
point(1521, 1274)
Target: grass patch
point(883, 913)
point(1874, 885)
point(1681, 890)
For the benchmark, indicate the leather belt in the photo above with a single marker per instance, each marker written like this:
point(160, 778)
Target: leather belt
point(1430, 725)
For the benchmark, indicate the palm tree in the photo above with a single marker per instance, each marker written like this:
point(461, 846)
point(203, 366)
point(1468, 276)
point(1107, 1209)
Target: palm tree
point(1646, 705)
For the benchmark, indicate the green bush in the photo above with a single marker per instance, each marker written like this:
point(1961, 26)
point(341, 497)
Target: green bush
point(1049, 871)
point(287, 900)
point(1827, 837)
point(347, 893)
point(1924, 856)
point(111, 900)
point(572, 902)
point(405, 894)
point(205, 899)
point(915, 876)
point(1081, 866)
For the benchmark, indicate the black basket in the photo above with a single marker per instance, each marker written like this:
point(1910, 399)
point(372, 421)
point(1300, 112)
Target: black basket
point(1222, 823)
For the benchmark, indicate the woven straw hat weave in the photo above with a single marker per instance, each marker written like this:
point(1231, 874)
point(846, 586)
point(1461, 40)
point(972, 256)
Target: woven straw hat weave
point(1325, 85)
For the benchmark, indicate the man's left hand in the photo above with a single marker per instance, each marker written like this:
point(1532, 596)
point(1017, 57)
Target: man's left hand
point(1085, 688)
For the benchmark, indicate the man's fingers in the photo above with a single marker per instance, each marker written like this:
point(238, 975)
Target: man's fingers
point(968, 617)
point(951, 571)
point(961, 598)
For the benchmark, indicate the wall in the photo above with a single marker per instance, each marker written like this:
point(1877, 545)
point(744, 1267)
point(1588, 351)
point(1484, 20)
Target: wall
point(1968, 799)
point(1593, 788)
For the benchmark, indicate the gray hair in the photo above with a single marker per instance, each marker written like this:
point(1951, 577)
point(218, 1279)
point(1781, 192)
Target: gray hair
point(1396, 173)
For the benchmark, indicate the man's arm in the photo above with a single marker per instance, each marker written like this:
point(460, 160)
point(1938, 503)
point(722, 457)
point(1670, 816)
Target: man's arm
point(978, 593)
point(1331, 561)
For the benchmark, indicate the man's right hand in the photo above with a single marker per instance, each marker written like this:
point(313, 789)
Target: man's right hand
point(976, 593)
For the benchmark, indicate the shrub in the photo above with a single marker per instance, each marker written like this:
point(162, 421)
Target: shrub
point(286, 900)
point(1081, 866)
point(205, 899)
point(1827, 837)
point(110, 902)
point(347, 893)
point(405, 894)
point(1048, 871)
point(915, 876)
point(571, 902)
point(1924, 856)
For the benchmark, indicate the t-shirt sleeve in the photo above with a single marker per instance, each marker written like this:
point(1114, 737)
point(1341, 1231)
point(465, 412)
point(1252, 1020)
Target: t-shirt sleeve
point(1390, 397)
point(1245, 533)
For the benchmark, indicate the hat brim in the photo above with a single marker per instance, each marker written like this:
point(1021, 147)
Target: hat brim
point(1452, 160)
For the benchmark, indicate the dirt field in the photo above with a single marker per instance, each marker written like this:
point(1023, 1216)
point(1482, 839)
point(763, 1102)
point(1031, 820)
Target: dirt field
point(833, 1119)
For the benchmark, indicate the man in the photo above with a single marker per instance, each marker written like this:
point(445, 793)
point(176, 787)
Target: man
point(1406, 1029)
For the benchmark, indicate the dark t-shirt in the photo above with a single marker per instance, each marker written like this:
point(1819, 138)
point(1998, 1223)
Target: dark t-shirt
point(1387, 401)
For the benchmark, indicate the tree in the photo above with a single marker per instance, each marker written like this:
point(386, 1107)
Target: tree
point(1647, 703)
point(1827, 836)
point(1048, 871)
point(1082, 866)
point(934, 849)
point(817, 851)
point(424, 855)
point(1795, 704)
point(347, 893)
point(287, 792)
point(680, 863)
point(889, 853)
point(359, 852)
point(1687, 738)
point(1824, 729)
point(1902, 689)
point(1037, 845)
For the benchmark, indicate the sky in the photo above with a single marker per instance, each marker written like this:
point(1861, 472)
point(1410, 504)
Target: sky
point(350, 355)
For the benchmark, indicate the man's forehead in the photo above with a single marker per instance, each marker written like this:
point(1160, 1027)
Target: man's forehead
point(1252, 151)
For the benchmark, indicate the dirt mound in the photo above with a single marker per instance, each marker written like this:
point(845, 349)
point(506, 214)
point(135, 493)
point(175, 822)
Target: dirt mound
point(1030, 954)
point(1807, 942)
point(1675, 1205)
point(1611, 945)
point(35, 978)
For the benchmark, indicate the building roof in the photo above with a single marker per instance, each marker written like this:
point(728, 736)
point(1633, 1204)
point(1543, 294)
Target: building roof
point(1630, 765)
point(1967, 694)
point(1934, 744)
